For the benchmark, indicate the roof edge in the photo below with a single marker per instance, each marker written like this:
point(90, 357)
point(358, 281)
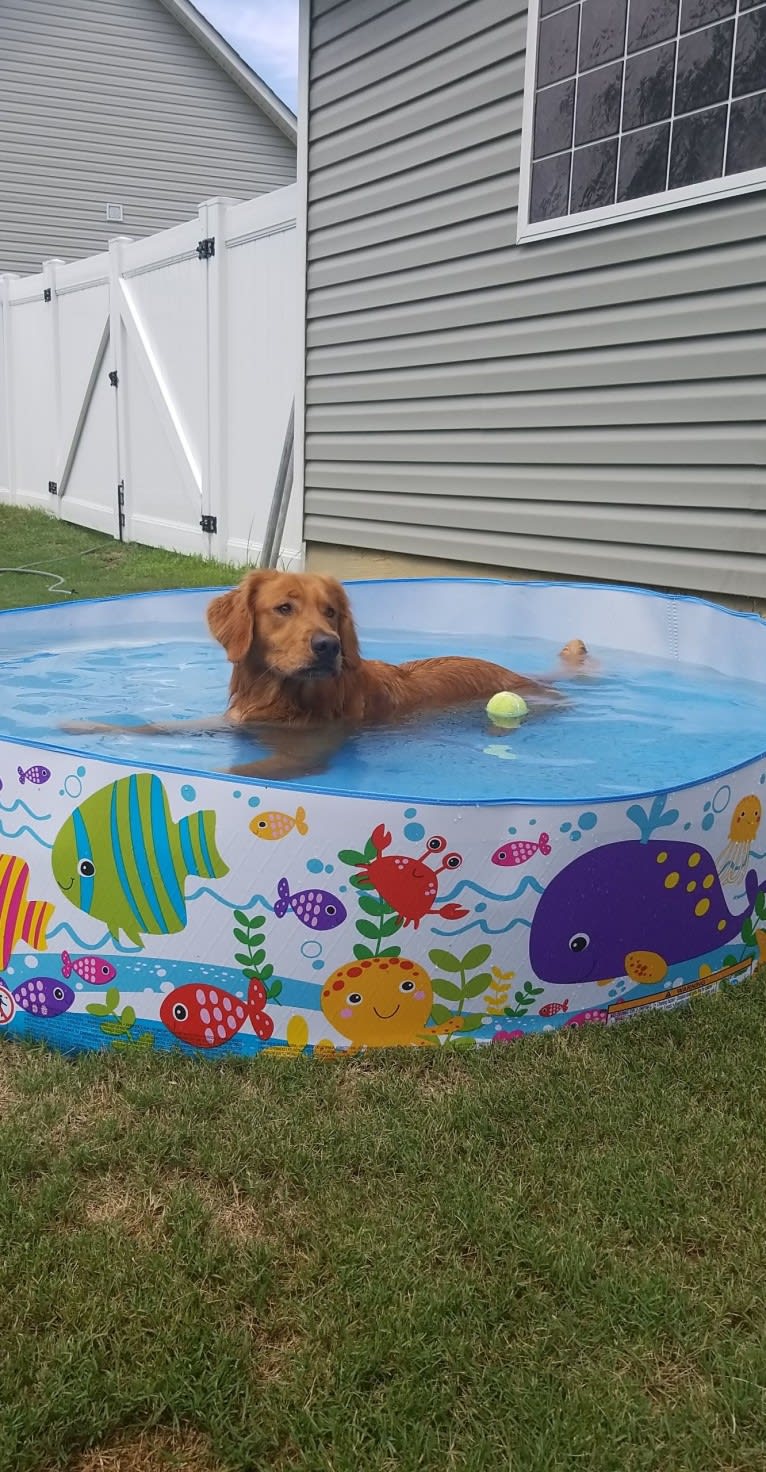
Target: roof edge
point(254, 86)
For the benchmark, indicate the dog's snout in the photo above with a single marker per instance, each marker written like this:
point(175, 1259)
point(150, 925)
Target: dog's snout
point(326, 647)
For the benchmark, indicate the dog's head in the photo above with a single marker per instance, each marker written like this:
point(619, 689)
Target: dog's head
point(297, 626)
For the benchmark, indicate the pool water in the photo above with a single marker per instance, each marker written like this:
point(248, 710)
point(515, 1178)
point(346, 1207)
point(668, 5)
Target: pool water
point(636, 726)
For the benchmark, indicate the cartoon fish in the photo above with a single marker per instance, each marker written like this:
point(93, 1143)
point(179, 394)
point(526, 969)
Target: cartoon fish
point(551, 1008)
point(277, 825)
point(632, 909)
point(93, 969)
point(743, 831)
point(205, 1017)
point(38, 775)
point(314, 907)
point(43, 996)
point(583, 1019)
point(121, 858)
point(520, 851)
point(20, 918)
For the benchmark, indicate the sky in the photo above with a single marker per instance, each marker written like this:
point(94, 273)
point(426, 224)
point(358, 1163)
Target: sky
point(265, 33)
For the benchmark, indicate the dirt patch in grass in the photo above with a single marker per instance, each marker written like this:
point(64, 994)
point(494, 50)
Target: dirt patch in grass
point(151, 1451)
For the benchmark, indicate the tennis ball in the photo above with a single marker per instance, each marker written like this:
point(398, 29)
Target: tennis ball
point(506, 706)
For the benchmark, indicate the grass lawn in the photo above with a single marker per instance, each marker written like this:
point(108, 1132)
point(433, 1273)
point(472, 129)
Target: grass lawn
point(547, 1256)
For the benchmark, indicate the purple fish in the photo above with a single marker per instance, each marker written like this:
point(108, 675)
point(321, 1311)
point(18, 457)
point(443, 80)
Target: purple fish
point(314, 907)
point(633, 909)
point(38, 775)
point(44, 996)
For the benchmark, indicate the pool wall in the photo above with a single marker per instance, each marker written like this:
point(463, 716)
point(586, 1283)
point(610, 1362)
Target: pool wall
point(146, 907)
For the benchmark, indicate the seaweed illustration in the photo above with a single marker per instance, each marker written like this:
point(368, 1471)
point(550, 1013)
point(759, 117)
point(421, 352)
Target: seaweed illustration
point(458, 988)
point(648, 822)
point(118, 1025)
point(754, 937)
point(248, 931)
point(497, 992)
point(524, 999)
point(382, 920)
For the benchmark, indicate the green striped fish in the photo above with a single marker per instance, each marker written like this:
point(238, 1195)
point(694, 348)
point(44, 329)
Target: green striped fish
point(121, 858)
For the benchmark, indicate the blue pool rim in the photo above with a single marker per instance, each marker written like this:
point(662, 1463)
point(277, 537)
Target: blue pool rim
point(303, 785)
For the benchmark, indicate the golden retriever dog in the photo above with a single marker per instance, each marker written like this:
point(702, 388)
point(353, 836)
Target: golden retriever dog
point(301, 685)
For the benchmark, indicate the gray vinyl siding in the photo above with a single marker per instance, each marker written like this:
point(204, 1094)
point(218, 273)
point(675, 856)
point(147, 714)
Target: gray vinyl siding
point(113, 101)
point(590, 406)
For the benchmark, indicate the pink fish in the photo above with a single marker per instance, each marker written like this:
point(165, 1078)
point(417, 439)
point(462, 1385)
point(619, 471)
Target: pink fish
point(581, 1019)
point(93, 969)
point(38, 775)
point(551, 1008)
point(520, 851)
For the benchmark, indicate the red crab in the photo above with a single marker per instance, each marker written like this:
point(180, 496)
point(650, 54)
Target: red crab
point(408, 885)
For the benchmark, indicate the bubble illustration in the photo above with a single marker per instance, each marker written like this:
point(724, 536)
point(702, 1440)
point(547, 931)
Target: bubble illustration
point(253, 802)
point(565, 828)
point(314, 866)
point(410, 812)
point(188, 793)
point(722, 799)
point(587, 820)
point(311, 949)
point(73, 783)
point(414, 832)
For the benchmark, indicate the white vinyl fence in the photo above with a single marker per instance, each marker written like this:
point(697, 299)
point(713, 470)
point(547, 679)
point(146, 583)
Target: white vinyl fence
point(146, 391)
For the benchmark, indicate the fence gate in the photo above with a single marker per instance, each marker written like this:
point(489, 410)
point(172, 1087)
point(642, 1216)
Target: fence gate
point(114, 409)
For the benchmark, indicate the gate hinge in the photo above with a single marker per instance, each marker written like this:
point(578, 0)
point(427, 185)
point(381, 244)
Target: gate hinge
point(206, 248)
point(113, 379)
point(121, 501)
point(209, 523)
point(53, 489)
point(47, 294)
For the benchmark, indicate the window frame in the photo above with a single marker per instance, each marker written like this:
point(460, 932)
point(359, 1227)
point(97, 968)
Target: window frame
point(727, 187)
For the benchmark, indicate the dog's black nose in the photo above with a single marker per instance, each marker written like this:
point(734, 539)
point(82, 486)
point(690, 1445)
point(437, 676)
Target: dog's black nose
point(326, 647)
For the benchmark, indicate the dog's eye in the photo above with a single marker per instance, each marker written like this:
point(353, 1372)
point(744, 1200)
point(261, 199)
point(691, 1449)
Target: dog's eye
point(284, 609)
point(330, 613)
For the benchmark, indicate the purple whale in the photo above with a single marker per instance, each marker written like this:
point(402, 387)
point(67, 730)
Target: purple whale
point(633, 909)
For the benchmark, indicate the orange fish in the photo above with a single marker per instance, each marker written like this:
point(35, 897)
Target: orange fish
point(278, 825)
point(20, 918)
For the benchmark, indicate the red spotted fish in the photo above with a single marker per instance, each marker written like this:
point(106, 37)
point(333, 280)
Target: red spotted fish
point(277, 825)
point(551, 1008)
point(38, 775)
point(520, 850)
point(20, 918)
point(205, 1017)
point(93, 969)
point(122, 858)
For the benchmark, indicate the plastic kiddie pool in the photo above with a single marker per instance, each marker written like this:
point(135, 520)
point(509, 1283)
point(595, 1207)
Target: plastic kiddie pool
point(410, 896)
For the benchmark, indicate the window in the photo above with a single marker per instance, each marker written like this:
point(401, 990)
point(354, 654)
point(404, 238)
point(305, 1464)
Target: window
point(632, 106)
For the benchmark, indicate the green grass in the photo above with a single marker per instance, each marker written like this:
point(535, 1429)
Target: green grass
point(542, 1258)
point(92, 565)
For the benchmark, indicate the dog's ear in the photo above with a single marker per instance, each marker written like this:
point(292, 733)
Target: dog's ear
point(349, 641)
point(231, 618)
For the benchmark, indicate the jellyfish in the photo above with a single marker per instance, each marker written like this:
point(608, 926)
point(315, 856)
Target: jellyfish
point(733, 860)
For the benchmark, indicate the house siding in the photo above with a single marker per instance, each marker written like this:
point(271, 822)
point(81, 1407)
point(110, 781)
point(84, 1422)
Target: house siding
point(113, 101)
point(591, 405)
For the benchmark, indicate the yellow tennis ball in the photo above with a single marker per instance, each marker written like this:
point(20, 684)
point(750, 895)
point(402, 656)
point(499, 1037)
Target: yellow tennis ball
point(506, 706)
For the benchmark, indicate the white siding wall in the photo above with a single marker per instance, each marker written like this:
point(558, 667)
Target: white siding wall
point(114, 101)
point(590, 406)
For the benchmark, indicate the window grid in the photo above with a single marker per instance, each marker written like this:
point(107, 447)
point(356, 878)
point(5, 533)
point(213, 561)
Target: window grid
point(698, 150)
